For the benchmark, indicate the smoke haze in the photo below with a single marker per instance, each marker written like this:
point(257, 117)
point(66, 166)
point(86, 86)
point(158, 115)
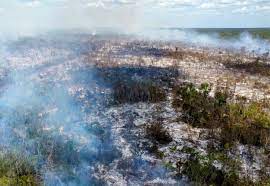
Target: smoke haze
point(50, 103)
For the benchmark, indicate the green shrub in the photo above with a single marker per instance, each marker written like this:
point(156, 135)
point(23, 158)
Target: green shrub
point(198, 108)
point(246, 123)
point(17, 170)
point(200, 170)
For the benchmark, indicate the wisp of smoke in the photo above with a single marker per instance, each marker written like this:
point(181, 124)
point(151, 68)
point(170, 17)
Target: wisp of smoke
point(40, 118)
point(191, 36)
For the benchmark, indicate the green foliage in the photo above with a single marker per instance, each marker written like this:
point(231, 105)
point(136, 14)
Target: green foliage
point(248, 124)
point(19, 181)
point(173, 149)
point(169, 165)
point(201, 171)
point(160, 154)
point(253, 112)
point(17, 170)
point(198, 108)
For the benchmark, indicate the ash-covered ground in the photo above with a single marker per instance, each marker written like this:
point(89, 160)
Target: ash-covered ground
point(61, 106)
point(56, 109)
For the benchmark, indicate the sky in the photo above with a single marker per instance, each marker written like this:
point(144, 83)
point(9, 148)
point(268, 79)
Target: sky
point(38, 15)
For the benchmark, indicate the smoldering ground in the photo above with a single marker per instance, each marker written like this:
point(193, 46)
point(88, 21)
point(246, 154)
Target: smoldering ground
point(54, 111)
point(43, 117)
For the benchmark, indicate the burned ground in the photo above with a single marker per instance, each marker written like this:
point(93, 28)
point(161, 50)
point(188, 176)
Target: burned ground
point(113, 111)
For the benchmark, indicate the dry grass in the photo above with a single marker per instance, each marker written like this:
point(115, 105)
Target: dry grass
point(255, 67)
point(156, 132)
point(133, 92)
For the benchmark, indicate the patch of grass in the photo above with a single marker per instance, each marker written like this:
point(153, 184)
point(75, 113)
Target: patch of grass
point(160, 154)
point(169, 165)
point(203, 173)
point(173, 149)
point(132, 84)
point(58, 151)
point(197, 167)
point(200, 170)
point(198, 108)
point(157, 75)
point(17, 170)
point(137, 91)
point(156, 132)
point(246, 123)
point(255, 67)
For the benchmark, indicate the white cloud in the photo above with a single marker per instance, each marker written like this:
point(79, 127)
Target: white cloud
point(96, 4)
point(207, 5)
point(129, 14)
point(190, 5)
point(263, 8)
point(33, 3)
point(241, 10)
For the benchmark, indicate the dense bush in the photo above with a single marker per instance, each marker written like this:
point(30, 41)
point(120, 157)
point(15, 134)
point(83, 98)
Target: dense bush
point(248, 124)
point(198, 108)
point(200, 170)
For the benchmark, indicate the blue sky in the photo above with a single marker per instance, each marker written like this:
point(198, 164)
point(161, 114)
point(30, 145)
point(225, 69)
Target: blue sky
point(23, 15)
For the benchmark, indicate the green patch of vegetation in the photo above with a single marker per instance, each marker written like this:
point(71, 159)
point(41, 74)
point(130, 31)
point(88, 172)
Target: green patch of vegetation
point(173, 149)
point(17, 170)
point(198, 108)
point(246, 123)
point(203, 173)
point(188, 150)
point(169, 165)
point(160, 154)
point(200, 170)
